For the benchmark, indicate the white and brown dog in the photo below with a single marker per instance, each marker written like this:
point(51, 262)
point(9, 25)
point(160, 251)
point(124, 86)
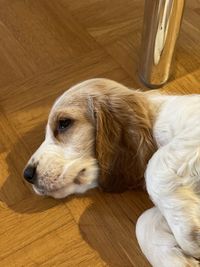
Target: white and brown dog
point(100, 133)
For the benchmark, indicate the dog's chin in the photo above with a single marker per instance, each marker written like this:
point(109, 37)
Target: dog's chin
point(66, 190)
point(38, 191)
point(57, 193)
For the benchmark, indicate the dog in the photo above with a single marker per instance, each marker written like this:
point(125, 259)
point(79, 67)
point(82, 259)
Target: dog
point(101, 133)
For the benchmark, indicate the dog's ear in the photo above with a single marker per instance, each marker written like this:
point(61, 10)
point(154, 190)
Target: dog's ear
point(124, 142)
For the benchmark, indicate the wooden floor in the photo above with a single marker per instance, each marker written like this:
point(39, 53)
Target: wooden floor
point(45, 47)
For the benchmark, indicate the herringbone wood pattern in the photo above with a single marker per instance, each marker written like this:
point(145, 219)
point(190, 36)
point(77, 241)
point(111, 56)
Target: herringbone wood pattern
point(45, 47)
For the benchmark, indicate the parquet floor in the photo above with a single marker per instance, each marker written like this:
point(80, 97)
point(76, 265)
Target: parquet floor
point(45, 47)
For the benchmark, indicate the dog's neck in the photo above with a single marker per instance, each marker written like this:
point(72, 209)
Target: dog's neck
point(155, 100)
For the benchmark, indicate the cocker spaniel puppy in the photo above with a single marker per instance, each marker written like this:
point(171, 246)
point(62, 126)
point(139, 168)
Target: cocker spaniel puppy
point(100, 133)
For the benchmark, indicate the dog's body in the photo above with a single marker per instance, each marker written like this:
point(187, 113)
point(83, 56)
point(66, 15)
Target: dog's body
point(102, 133)
point(173, 182)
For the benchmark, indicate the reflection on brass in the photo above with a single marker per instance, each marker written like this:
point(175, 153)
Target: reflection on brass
point(162, 20)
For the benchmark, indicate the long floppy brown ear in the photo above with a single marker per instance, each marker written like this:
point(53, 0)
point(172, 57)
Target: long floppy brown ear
point(124, 141)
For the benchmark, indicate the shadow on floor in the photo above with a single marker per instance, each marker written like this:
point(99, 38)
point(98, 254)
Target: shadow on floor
point(15, 192)
point(108, 226)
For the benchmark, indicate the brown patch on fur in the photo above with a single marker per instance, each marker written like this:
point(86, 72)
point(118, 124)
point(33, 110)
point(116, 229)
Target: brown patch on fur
point(195, 235)
point(124, 141)
point(78, 179)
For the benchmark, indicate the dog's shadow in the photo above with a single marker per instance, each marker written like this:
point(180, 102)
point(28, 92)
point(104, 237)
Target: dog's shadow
point(108, 226)
point(15, 193)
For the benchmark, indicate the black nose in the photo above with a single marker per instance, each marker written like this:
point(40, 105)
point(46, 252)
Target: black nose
point(30, 174)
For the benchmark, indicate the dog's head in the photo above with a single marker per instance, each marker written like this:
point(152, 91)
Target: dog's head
point(98, 133)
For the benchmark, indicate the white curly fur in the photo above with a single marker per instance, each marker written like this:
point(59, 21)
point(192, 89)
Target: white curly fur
point(173, 182)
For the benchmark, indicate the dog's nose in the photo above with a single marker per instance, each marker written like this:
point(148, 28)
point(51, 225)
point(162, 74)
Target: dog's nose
point(30, 174)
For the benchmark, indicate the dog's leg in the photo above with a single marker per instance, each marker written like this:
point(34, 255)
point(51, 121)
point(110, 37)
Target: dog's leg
point(158, 243)
point(172, 178)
